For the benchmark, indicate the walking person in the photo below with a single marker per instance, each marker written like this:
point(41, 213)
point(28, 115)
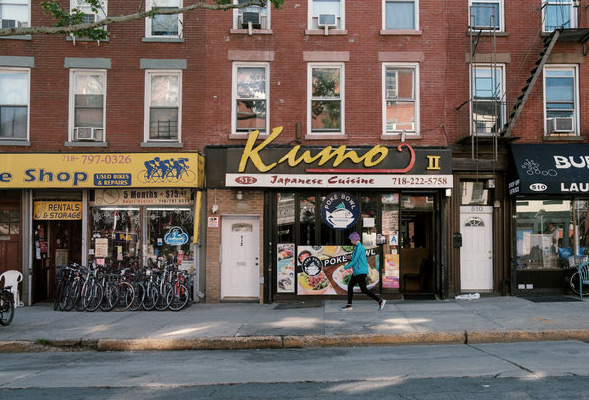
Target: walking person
point(360, 269)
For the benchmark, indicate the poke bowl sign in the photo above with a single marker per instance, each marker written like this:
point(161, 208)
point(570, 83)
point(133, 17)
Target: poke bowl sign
point(340, 210)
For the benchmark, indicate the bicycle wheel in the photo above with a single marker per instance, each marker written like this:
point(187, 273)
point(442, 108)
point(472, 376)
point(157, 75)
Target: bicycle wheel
point(6, 308)
point(180, 298)
point(150, 298)
point(138, 297)
point(110, 297)
point(164, 296)
point(126, 296)
point(57, 295)
point(83, 292)
point(574, 283)
point(93, 297)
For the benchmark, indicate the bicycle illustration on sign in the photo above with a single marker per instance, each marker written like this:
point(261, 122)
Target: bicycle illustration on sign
point(166, 170)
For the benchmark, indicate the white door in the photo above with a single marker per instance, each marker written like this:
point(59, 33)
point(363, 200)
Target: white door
point(240, 271)
point(476, 253)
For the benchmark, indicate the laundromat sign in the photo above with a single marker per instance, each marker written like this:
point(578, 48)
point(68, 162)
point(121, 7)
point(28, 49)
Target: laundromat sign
point(265, 164)
point(108, 170)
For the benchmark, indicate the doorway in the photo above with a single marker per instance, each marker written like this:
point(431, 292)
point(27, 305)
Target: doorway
point(476, 253)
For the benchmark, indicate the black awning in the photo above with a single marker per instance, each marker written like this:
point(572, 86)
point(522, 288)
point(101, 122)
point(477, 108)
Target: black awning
point(550, 169)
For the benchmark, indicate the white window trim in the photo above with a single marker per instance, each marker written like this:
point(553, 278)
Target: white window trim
point(415, 67)
point(310, 68)
point(148, 22)
point(147, 105)
point(384, 16)
point(342, 16)
point(73, 73)
point(28, 12)
point(27, 71)
point(237, 65)
point(502, 101)
point(576, 123)
point(267, 16)
point(501, 14)
point(573, 14)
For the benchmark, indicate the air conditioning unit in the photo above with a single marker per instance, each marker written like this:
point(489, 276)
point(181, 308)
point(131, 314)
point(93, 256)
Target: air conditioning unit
point(10, 23)
point(560, 125)
point(86, 133)
point(250, 16)
point(391, 94)
point(327, 20)
point(88, 18)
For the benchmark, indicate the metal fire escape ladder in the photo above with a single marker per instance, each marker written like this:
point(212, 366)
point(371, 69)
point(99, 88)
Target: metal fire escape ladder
point(535, 73)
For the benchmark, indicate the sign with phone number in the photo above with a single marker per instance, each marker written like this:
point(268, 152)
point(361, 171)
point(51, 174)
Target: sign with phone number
point(334, 181)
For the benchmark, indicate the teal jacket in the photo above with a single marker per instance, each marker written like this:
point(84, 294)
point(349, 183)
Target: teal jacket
point(359, 263)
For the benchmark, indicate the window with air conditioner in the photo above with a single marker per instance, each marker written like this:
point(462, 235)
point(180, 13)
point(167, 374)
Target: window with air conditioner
point(90, 13)
point(486, 15)
point(254, 16)
point(557, 14)
point(164, 25)
point(14, 13)
point(326, 14)
point(14, 104)
point(401, 98)
point(325, 98)
point(560, 100)
point(488, 106)
point(250, 97)
point(87, 105)
point(163, 105)
point(401, 14)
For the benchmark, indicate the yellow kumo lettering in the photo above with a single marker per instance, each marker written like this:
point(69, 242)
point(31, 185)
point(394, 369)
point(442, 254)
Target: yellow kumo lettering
point(433, 162)
point(251, 152)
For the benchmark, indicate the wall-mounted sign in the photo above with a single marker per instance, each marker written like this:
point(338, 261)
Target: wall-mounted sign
point(176, 236)
point(340, 210)
point(136, 197)
point(57, 210)
point(213, 222)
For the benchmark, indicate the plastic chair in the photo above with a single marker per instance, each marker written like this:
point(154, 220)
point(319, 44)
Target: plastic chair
point(12, 278)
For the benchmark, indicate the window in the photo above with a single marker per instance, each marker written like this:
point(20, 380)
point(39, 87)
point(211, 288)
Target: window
point(87, 103)
point(258, 17)
point(486, 14)
point(14, 104)
point(560, 100)
point(168, 26)
point(250, 95)
point(401, 98)
point(401, 14)
point(14, 13)
point(326, 88)
point(488, 105)
point(90, 15)
point(558, 14)
point(326, 14)
point(163, 105)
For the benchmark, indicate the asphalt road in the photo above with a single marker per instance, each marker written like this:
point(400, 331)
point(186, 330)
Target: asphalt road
point(539, 370)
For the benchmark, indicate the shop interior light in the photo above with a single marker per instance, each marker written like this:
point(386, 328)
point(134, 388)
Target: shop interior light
point(168, 209)
point(119, 208)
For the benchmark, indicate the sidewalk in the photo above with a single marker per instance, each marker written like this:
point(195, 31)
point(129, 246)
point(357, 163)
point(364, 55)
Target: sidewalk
point(295, 325)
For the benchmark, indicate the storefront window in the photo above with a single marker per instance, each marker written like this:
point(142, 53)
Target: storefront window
point(169, 233)
point(286, 217)
point(307, 220)
point(116, 235)
point(545, 233)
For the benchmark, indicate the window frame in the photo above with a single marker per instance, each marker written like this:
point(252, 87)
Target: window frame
point(576, 112)
point(266, 15)
point(149, 74)
point(310, 68)
point(27, 12)
point(501, 98)
point(501, 16)
point(74, 73)
point(234, 98)
point(341, 17)
point(415, 12)
point(573, 12)
point(27, 73)
point(415, 99)
point(149, 4)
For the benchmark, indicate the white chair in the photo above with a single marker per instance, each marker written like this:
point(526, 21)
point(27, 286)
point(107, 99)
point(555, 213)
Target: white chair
point(12, 278)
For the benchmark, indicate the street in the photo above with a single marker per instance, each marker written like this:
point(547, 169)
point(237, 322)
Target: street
point(540, 370)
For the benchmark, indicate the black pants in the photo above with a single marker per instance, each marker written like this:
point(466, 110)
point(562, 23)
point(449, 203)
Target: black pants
point(361, 281)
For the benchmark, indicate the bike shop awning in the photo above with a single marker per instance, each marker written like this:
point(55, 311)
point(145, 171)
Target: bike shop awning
point(549, 169)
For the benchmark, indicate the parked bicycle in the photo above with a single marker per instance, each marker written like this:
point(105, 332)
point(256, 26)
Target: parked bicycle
point(6, 306)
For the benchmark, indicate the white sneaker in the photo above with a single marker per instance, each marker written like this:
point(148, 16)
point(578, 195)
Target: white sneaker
point(382, 304)
point(346, 308)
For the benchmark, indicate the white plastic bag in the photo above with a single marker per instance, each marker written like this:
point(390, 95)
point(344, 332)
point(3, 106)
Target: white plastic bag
point(470, 296)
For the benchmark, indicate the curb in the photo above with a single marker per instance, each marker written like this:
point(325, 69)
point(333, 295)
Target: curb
point(291, 342)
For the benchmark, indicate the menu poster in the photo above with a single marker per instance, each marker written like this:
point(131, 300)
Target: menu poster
point(286, 267)
point(101, 248)
point(321, 269)
point(390, 277)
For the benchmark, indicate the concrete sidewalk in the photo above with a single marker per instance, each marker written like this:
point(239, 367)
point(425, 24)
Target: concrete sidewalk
point(295, 325)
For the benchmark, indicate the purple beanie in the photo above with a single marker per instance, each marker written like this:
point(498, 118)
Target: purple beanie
point(354, 236)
